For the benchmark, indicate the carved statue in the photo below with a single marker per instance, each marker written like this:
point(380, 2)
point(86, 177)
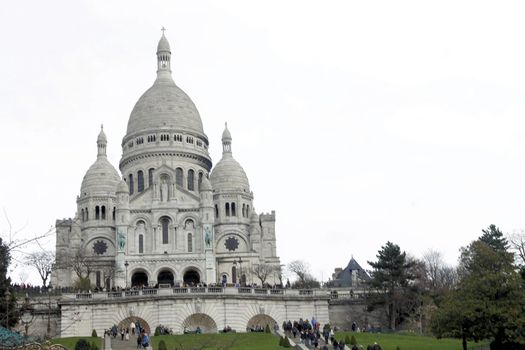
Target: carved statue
point(207, 236)
point(121, 240)
point(164, 191)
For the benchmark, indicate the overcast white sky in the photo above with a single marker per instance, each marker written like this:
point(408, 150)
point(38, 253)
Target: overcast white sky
point(358, 122)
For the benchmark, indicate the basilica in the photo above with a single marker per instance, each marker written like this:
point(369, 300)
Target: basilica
point(168, 218)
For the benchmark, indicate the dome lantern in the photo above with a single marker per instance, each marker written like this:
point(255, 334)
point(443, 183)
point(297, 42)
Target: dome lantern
point(163, 56)
point(226, 140)
point(102, 142)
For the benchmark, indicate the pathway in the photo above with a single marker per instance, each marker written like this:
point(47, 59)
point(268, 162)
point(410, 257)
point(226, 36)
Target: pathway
point(117, 344)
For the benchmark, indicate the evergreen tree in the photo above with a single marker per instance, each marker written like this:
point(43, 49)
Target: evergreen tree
point(493, 237)
point(489, 301)
point(8, 309)
point(392, 279)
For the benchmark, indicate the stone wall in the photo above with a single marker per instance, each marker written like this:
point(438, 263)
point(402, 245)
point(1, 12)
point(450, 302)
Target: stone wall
point(343, 313)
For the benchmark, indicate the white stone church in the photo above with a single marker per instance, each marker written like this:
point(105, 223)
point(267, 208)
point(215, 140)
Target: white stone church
point(168, 217)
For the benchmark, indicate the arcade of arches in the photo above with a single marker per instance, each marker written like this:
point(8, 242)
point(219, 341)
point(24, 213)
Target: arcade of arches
point(140, 278)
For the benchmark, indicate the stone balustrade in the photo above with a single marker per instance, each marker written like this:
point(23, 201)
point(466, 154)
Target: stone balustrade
point(200, 291)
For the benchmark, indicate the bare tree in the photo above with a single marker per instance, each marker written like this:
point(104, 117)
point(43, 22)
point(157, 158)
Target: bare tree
point(301, 270)
point(263, 271)
point(438, 275)
point(517, 244)
point(43, 262)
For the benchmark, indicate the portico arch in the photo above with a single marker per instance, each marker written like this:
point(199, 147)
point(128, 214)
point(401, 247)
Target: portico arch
point(191, 277)
point(165, 276)
point(139, 278)
point(203, 321)
point(261, 320)
point(137, 321)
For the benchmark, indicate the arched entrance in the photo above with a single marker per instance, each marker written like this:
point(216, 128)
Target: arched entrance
point(139, 279)
point(191, 277)
point(260, 322)
point(140, 322)
point(165, 277)
point(203, 321)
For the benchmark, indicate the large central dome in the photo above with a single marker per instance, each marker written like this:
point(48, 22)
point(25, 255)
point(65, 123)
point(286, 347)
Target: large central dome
point(164, 106)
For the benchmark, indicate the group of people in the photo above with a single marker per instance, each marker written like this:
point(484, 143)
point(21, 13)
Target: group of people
point(309, 332)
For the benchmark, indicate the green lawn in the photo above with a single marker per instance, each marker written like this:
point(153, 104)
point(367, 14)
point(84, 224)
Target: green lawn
point(71, 341)
point(241, 341)
point(390, 341)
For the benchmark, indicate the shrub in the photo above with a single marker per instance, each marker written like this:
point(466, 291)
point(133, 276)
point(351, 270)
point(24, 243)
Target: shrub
point(353, 341)
point(398, 348)
point(281, 341)
point(157, 331)
point(82, 344)
point(286, 342)
point(94, 334)
point(347, 340)
point(267, 329)
point(162, 345)
point(94, 346)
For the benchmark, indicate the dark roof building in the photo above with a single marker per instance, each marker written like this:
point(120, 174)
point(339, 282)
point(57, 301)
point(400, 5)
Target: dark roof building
point(353, 275)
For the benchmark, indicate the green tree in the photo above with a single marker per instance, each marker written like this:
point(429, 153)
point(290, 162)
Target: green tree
point(489, 301)
point(393, 280)
point(494, 238)
point(8, 309)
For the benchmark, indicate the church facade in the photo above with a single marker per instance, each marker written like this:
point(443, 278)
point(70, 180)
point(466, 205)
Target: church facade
point(169, 217)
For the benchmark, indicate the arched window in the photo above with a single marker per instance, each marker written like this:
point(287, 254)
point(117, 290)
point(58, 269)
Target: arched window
point(97, 213)
point(247, 211)
point(189, 224)
point(87, 214)
point(179, 177)
point(191, 180)
point(227, 207)
point(165, 222)
point(233, 210)
point(150, 177)
point(234, 274)
point(200, 181)
point(83, 219)
point(113, 216)
point(131, 185)
point(190, 242)
point(243, 210)
point(216, 211)
point(103, 212)
point(141, 244)
point(140, 181)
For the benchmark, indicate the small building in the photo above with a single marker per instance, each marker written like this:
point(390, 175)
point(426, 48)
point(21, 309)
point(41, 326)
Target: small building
point(353, 275)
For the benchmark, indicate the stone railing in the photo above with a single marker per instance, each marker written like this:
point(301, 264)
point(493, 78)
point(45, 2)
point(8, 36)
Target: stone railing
point(200, 291)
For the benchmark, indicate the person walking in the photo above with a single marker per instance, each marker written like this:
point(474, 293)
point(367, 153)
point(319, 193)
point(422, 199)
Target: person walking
point(145, 340)
point(139, 341)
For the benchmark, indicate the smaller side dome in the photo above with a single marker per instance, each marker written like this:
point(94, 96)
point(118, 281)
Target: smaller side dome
point(205, 184)
point(122, 187)
point(228, 174)
point(254, 217)
point(101, 177)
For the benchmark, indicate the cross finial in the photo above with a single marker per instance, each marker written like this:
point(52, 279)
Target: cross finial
point(102, 127)
point(163, 30)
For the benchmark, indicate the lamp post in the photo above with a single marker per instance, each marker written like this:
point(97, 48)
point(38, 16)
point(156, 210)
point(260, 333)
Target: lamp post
point(126, 264)
point(7, 299)
point(27, 314)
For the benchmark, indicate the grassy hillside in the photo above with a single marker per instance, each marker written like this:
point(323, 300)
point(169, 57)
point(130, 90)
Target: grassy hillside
point(71, 341)
point(240, 341)
point(390, 341)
